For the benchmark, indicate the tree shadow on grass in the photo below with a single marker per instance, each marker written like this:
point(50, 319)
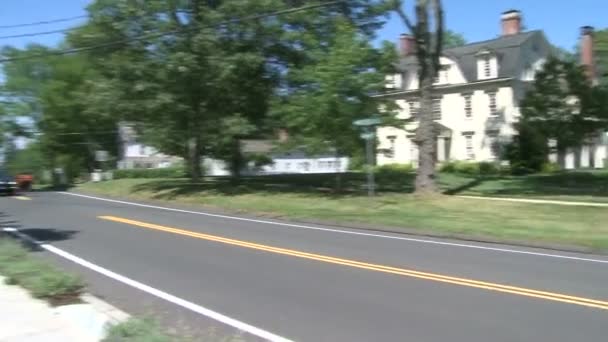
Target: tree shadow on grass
point(462, 188)
point(313, 184)
point(572, 183)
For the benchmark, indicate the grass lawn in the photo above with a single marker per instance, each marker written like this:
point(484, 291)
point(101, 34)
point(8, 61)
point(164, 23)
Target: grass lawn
point(310, 197)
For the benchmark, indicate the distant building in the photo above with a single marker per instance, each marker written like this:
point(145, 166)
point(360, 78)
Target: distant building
point(477, 95)
point(135, 155)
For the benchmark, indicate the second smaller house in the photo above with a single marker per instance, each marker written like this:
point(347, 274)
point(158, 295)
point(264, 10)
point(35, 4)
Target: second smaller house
point(290, 162)
point(300, 162)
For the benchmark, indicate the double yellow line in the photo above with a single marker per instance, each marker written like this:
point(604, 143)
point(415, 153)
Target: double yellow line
point(557, 297)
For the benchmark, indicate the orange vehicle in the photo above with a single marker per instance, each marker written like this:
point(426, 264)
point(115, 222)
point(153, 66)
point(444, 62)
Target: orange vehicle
point(24, 181)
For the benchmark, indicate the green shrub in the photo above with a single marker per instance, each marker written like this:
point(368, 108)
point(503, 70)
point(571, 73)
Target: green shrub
point(53, 284)
point(136, 330)
point(18, 270)
point(521, 170)
point(393, 172)
point(10, 252)
point(40, 278)
point(171, 172)
point(487, 168)
point(550, 168)
point(448, 167)
point(470, 168)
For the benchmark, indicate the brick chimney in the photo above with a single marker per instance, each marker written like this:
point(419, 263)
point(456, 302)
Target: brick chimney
point(407, 44)
point(511, 22)
point(587, 56)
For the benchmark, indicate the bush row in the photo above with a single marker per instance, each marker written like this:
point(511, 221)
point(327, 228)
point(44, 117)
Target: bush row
point(474, 168)
point(172, 172)
point(397, 171)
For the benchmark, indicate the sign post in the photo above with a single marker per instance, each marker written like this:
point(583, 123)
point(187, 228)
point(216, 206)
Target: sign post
point(368, 133)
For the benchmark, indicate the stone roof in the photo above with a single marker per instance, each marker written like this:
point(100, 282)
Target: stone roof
point(512, 52)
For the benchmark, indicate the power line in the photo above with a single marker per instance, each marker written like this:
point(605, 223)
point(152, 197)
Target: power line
point(45, 22)
point(35, 34)
point(166, 33)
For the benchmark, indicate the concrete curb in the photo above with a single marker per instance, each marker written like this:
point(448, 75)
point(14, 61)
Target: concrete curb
point(87, 321)
point(93, 317)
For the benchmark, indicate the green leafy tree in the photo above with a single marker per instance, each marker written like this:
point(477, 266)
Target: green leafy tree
point(453, 39)
point(53, 93)
point(564, 107)
point(324, 97)
point(601, 54)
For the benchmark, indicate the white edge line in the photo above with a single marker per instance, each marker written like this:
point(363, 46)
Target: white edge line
point(153, 291)
point(452, 244)
point(537, 201)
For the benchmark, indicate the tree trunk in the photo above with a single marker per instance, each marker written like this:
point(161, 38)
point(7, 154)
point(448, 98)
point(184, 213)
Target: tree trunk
point(426, 139)
point(194, 159)
point(236, 164)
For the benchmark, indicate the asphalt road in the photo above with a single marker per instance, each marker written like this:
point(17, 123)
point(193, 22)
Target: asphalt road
point(311, 284)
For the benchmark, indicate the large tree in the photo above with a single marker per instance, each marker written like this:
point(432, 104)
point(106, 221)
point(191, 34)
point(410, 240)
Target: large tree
point(322, 98)
point(428, 32)
point(453, 39)
point(601, 52)
point(564, 107)
point(52, 92)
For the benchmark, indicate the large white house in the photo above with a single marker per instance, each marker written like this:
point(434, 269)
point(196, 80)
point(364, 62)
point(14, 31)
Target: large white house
point(477, 95)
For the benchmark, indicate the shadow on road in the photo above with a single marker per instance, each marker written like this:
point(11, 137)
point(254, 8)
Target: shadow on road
point(49, 234)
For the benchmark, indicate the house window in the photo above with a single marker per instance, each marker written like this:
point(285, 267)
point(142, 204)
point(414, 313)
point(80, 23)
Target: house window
point(468, 106)
point(487, 68)
point(494, 144)
point(413, 107)
point(469, 146)
point(413, 153)
point(437, 108)
point(391, 149)
point(492, 103)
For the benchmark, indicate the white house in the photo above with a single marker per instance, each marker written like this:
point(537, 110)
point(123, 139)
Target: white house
point(477, 95)
point(136, 155)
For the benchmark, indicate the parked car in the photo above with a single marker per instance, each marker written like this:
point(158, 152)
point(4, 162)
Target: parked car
point(8, 186)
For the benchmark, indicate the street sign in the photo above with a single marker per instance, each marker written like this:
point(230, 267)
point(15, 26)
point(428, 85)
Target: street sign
point(368, 135)
point(367, 122)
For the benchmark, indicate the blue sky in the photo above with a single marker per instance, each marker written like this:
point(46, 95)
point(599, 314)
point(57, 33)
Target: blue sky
point(475, 19)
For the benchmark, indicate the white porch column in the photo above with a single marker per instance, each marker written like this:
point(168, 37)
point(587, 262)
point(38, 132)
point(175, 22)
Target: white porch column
point(600, 156)
point(440, 149)
point(584, 156)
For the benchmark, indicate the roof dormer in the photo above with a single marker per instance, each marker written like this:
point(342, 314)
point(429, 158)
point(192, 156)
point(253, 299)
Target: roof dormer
point(487, 64)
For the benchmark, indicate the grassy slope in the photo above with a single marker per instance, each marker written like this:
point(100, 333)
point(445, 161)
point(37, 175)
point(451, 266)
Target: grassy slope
point(513, 221)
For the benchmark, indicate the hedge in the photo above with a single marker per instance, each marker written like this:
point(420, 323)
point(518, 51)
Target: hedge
point(172, 172)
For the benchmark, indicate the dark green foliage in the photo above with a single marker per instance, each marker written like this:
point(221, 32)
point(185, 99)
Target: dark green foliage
point(563, 107)
point(136, 330)
point(172, 172)
point(529, 149)
point(471, 168)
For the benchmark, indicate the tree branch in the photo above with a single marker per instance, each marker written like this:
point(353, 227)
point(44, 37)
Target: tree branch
point(398, 8)
point(173, 12)
point(439, 28)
